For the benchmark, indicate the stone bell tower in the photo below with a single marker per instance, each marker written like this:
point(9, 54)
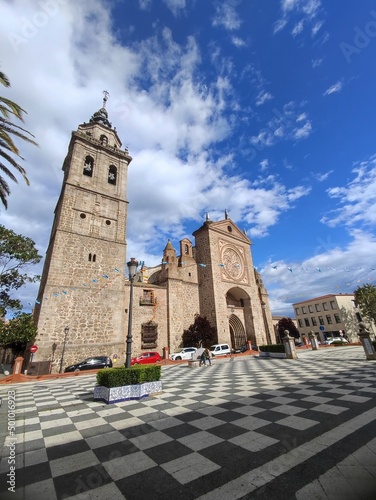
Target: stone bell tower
point(82, 284)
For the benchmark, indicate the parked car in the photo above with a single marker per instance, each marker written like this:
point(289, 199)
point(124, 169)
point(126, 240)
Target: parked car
point(92, 363)
point(337, 340)
point(146, 358)
point(243, 348)
point(220, 349)
point(185, 353)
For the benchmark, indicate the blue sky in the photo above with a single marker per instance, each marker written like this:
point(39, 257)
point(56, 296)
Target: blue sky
point(261, 107)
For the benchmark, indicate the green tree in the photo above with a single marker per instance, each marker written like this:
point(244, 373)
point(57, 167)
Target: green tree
point(200, 333)
point(17, 332)
point(365, 299)
point(8, 110)
point(287, 324)
point(17, 253)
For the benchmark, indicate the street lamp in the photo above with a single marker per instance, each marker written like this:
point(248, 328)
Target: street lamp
point(132, 269)
point(266, 326)
point(66, 331)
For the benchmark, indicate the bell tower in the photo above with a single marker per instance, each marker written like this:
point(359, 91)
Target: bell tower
point(82, 283)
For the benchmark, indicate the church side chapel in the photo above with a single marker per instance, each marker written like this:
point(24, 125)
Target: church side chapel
point(84, 283)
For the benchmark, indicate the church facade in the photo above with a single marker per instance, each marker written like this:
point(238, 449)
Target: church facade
point(84, 284)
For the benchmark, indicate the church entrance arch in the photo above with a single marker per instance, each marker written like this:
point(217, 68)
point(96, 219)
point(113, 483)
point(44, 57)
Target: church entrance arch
point(237, 332)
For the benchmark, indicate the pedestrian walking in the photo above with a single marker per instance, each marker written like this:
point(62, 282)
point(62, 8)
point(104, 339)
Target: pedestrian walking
point(207, 356)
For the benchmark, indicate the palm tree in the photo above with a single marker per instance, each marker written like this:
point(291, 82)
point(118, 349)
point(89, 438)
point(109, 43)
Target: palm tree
point(7, 129)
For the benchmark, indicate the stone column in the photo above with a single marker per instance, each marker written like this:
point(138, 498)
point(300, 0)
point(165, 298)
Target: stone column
point(365, 339)
point(289, 344)
point(313, 339)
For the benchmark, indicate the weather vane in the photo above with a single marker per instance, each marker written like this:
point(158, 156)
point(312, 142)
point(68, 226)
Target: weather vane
point(105, 98)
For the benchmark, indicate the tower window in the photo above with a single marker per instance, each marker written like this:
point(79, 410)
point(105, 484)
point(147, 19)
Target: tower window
point(83, 216)
point(92, 257)
point(229, 228)
point(186, 249)
point(88, 166)
point(112, 174)
point(108, 222)
point(103, 140)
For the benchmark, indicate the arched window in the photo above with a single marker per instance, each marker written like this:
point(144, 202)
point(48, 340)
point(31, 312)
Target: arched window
point(103, 140)
point(112, 174)
point(88, 166)
point(186, 249)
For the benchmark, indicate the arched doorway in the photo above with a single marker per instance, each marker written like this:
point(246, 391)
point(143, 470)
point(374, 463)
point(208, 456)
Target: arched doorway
point(237, 332)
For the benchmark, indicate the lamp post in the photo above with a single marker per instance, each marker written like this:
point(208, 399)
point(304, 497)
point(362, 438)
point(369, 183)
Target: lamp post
point(132, 269)
point(266, 326)
point(66, 331)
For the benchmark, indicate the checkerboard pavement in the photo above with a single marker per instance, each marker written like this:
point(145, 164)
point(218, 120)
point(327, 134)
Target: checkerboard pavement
point(243, 428)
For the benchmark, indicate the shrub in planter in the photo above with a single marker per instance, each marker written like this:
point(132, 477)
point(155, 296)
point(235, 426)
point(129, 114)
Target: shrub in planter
point(272, 348)
point(118, 377)
point(124, 384)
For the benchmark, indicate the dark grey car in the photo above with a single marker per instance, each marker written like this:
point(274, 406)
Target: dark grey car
point(92, 363)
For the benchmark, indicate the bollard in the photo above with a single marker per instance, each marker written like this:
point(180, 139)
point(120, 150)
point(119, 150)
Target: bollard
point(17, 368)
point(365, 339)
point(289, 344)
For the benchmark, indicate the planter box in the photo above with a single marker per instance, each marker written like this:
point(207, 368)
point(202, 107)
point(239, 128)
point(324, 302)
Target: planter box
point(126, 392)
point(279, 355)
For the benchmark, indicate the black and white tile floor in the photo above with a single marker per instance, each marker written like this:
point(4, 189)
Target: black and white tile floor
point(244, 428)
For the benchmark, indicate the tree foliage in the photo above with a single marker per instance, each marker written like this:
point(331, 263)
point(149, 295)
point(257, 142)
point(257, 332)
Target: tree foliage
point(8, 130)
point(287, 324)
point(17, 253)
point(17, 332)
point(365, 299)
point(200, 333)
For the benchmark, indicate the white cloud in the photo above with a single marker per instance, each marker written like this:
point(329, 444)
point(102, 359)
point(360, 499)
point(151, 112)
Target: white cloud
point(357, 200)
point(331, 269)
point(322, 177)
point(262, 97)
point(316, 63)
point(307, 10)
point(304, 131)
point(337, 87)
point(298, 28)
point(176, 6)
point(283, 126)
point(227, 17)
point(238, 42)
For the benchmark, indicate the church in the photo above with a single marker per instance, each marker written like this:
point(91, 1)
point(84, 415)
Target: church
point(83, 305)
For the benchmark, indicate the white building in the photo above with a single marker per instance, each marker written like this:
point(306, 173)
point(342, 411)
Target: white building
point(328, 315)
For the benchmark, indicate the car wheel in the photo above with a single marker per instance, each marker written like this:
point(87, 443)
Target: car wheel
point(76, 369)
point(178, 358)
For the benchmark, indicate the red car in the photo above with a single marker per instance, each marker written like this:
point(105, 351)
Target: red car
point(146, 358)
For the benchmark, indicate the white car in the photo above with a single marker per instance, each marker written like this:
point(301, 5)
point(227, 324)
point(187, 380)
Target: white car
point(220, 350)
point(185, 353)
point(336, 340)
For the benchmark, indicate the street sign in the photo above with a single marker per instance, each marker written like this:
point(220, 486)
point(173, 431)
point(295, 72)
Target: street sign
point(33, 349)
point(322, 328)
